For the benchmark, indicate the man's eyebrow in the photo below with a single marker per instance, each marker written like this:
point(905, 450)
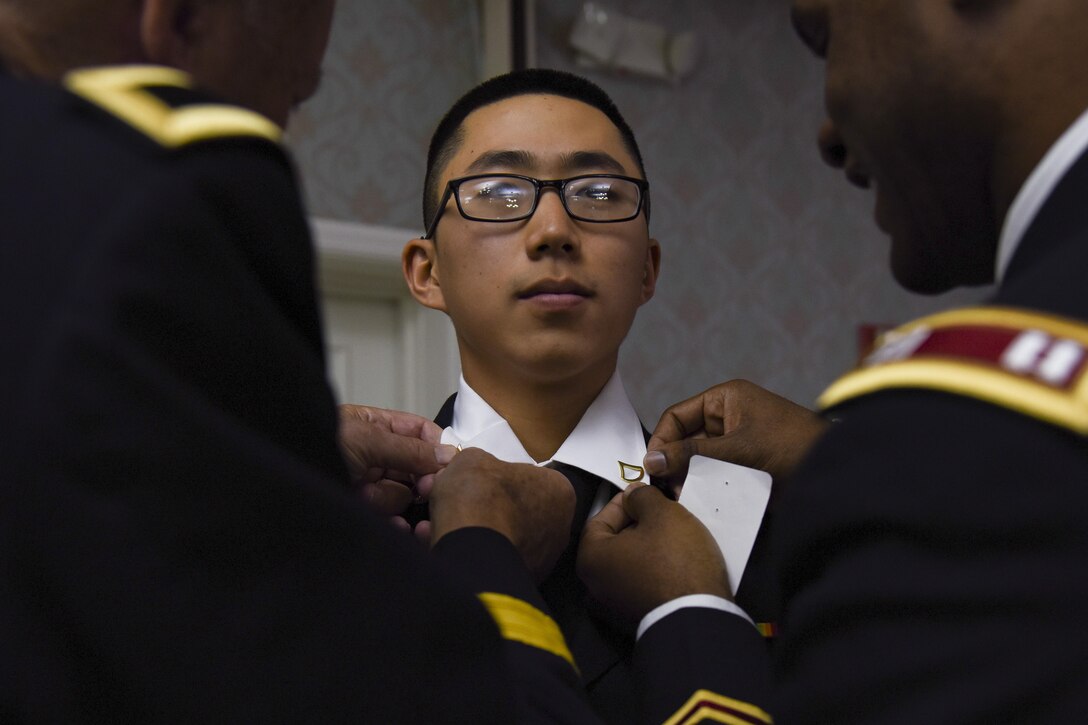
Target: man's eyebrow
point(489, 160)
point(572, 162)
point(592, 160)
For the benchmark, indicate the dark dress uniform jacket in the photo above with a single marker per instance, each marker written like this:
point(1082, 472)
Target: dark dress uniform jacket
point(177, 538)
point(934, 546)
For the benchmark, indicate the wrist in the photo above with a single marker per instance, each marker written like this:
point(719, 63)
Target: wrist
point(708, 601)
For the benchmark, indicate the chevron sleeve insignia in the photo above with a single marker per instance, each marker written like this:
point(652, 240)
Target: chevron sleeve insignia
point(705, 706)
point(520, 621)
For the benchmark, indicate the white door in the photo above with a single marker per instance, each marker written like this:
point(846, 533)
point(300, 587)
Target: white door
point(364, 350)
point(384, 349)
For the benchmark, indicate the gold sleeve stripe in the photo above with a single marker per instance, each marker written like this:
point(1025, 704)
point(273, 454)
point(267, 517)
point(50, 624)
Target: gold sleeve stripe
point(522, 622)
point(121, 92)
point(707, 706)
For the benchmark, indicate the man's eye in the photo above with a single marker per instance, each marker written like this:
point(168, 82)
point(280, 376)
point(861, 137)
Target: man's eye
point(501, 190)
point(600, 192)
point(495, 194)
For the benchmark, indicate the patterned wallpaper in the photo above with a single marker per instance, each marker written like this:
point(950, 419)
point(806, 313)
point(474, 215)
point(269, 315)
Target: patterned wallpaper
point(770, 259)
point(391, 71)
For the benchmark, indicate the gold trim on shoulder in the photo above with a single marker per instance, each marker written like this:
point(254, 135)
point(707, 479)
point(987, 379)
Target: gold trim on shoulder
point(1003, 381)
point(1002, 317)
point(121, 91)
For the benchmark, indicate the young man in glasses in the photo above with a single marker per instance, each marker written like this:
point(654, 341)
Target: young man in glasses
point(537, 246)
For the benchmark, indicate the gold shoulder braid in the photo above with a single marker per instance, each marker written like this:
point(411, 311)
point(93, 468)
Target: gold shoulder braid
point(123, 92)
point(1032, 363)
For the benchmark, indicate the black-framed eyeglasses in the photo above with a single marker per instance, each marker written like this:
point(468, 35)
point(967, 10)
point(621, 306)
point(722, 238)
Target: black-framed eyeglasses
point(600, 198)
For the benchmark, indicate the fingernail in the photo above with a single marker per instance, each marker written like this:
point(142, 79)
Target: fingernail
point(444, 454)
point(654, 462)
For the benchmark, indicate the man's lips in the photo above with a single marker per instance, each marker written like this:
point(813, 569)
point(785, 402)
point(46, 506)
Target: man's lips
point(555, 287)
point(557, 294)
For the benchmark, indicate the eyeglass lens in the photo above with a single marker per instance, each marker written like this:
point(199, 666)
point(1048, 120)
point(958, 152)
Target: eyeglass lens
point(597, 198)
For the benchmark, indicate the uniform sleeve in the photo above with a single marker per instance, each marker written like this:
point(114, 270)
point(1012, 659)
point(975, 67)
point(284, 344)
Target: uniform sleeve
point(933, 554)
point(703, 665)
point(176, 538)
point(545, 676)
point(694, 665)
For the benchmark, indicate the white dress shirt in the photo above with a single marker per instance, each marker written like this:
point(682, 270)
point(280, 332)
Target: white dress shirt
point(607, 442)
point(608, 435)
point(1039, 185)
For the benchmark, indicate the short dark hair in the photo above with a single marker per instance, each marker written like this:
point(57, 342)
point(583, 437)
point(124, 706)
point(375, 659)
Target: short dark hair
point(450, 133)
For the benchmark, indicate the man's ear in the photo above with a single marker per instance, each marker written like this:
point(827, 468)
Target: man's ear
point(171, 29)
point(652, 269)
point(419, 262)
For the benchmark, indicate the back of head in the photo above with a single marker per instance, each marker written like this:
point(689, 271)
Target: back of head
point(261, 54)
point(47, 38)
point(450, 132)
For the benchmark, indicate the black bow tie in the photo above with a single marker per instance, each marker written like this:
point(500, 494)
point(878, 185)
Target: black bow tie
point(586, 486)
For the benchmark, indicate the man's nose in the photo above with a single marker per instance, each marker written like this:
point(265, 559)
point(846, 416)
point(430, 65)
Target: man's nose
point(551, 229)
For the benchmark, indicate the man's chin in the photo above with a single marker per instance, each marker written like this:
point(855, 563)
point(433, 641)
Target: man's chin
point(935, 277)
point(921, 282)
point(920, 273)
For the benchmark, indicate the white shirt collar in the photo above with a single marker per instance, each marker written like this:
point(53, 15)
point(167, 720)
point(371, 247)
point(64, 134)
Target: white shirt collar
point(608, 434)
point(1037, 188)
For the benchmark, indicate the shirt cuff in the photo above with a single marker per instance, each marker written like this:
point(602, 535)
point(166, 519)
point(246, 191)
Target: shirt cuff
point(708, 601)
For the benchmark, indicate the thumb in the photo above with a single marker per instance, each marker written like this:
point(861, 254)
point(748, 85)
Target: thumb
point(670, 459)
point(610, 521)
point(642, 503)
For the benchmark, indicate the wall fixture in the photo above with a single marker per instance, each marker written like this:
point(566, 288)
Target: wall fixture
point(607, 39)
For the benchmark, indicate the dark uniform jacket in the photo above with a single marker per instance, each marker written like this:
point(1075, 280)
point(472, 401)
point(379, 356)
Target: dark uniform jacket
point(177, 537)
point(934, 546)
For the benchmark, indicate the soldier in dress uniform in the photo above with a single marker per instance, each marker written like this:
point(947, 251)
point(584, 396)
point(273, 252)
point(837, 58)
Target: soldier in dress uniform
point(181, 537)
point(932, 543)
